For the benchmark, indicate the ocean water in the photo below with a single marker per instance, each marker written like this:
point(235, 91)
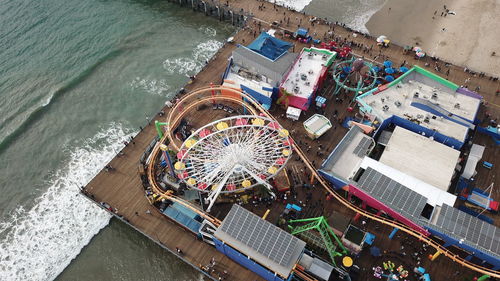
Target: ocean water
point(76, 79)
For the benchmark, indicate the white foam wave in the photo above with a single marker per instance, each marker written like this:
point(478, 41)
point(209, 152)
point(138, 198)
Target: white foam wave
point(39, 243)
point(359, 21)
point(210, 31)
point(48, 100)
point(297, 5)
point(204, 51)
point(155, 87)
point(193, 64)
point(179, 65)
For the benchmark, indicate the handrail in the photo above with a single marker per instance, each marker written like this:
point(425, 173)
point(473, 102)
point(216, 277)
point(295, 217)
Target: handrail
point(249, 100)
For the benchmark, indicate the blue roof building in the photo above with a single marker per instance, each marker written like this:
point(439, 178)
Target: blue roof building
point(269, 46)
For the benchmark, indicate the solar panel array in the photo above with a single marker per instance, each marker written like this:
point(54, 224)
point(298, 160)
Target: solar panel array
point(362, 147)
point(260, 235)
point(395, 195)
point(475, 232)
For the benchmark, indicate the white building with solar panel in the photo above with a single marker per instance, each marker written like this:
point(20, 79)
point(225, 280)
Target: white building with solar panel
point(267, 250)
point(408, 178)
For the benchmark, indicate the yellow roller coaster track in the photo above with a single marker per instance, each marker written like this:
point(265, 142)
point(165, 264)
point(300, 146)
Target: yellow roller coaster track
point(206, 94)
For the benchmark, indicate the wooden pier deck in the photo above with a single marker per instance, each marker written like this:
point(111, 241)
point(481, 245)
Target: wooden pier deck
point(122, 189)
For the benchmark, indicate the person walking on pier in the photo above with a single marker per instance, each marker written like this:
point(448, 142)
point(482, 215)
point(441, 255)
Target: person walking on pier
point(179, 251)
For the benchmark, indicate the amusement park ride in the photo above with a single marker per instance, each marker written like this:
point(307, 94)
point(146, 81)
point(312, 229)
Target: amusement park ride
point(240, 152)
point(233, 154)
point(355, 75)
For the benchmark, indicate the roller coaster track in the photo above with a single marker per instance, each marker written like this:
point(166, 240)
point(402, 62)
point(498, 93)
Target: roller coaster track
point(197, 98)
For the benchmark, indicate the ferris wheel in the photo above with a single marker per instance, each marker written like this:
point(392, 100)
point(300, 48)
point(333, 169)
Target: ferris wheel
point(233, 154)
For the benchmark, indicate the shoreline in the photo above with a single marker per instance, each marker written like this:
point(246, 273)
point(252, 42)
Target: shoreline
point(465, 39)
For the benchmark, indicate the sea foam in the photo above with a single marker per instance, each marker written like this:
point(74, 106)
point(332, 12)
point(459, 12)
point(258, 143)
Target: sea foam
point(39, 243)
point(297, 5)
point(194, 63)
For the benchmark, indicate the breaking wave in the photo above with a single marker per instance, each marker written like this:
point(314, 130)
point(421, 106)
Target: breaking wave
point(37, 244)
point(193, 64)
point(297, 5)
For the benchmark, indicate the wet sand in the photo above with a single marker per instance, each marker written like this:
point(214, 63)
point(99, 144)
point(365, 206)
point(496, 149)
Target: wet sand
point(466, 39)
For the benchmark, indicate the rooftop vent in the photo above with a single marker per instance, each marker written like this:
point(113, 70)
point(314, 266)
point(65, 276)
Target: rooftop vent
point(397, 103)
point(385, 108)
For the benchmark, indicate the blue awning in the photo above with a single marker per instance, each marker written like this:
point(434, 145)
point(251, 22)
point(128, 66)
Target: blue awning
point(269, 46)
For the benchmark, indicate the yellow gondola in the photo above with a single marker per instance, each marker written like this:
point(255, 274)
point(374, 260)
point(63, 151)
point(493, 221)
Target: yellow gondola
point(179, 165)
point(221, 126)
point(246, 183)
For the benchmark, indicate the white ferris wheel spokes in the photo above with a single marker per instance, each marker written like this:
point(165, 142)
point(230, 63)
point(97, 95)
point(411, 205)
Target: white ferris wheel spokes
point(233, 154)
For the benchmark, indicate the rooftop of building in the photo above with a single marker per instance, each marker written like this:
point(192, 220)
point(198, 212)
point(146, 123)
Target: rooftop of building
point(304, 75)
point(255, 62)
point(248, 79)
point(426, 99)
point(421, 157)
point(409, 198)
point(317, 124)
point(344, 160)
point(269, 46)
point(433, 195)
point(262, 241)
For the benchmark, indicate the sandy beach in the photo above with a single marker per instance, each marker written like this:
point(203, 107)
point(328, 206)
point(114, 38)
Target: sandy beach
point(467, 38)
